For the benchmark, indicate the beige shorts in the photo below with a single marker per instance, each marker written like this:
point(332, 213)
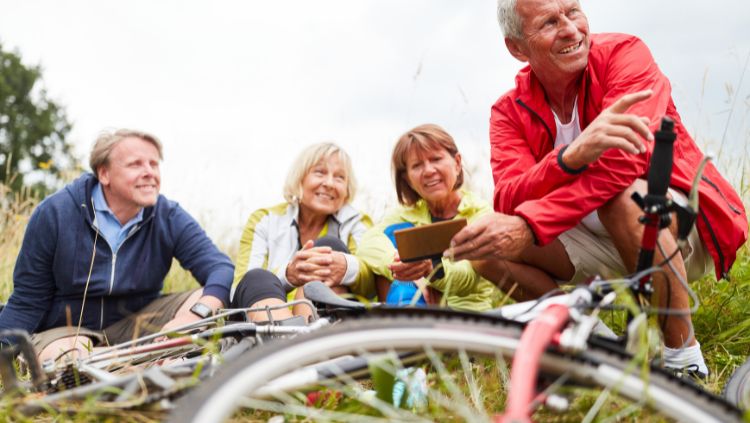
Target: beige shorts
point(593, 254)
point(145, 322)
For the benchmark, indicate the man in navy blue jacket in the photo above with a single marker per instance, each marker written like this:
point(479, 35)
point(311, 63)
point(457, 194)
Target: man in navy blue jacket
point(95, 254)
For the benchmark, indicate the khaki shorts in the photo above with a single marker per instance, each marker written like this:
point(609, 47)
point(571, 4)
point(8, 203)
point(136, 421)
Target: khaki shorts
point(593, 254)
point(145, 322)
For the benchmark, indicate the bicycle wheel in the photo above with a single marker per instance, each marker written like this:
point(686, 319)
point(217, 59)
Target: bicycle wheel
point(330, 375)
point(737, 389)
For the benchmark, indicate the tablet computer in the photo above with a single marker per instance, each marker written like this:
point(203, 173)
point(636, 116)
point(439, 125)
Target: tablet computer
point(426, 241)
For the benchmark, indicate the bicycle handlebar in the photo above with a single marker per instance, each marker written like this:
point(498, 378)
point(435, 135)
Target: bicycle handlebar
point(660, 169)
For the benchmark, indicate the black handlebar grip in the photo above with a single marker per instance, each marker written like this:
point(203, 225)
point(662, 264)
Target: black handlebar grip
point(660, 169)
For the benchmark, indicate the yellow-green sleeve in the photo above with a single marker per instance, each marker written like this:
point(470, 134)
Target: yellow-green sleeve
point(364, 284)
point(460, 278)
point(376, 251)
point(253, 252)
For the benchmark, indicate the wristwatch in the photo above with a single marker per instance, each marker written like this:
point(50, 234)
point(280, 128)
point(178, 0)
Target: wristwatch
point(201, 310)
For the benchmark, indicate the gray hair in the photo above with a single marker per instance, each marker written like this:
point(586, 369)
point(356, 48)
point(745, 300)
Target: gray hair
point(507, 17)
point(106, 142)
point(308, 158)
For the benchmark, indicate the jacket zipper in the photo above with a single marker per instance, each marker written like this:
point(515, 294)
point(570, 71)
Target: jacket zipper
point(715, 241)
point(731, 207)
point(112, 277)
point(549, 131)
point(114, 255)
point(114, 259)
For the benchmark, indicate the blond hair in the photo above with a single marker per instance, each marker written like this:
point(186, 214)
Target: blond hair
point(307, 159)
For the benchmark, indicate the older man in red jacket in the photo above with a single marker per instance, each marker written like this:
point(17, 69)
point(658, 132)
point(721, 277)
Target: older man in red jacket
point(570, 143)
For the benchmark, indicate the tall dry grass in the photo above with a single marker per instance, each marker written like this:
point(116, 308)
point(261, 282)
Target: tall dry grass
point(15, 210)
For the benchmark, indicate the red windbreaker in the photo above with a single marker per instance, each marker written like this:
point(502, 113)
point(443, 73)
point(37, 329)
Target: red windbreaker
point(530, 183)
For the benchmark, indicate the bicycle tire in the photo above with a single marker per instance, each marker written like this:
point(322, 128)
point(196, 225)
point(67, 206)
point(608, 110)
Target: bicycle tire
point(737, 388)
point(218, 398)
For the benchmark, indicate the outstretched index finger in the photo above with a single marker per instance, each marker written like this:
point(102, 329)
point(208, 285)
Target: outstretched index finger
point(625, 102)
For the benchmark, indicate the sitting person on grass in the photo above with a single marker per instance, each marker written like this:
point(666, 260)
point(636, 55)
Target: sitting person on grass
point(310, 237)
point(428, 175)
point(570, 143)
point(95, 254)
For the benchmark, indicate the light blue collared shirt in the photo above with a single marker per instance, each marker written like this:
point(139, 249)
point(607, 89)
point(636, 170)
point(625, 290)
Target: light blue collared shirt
point(106, 221)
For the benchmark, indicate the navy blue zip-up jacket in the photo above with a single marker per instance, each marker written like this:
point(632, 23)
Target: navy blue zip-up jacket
point(58, 249)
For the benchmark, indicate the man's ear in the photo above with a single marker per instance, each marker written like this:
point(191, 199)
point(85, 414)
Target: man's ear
point(102, 174)
point(516, 49)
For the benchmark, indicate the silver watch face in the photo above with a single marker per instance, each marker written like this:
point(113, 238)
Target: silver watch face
point(201, 310)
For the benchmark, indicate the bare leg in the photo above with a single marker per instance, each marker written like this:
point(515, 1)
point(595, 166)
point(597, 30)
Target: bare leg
point(534, 275)
point(552, 258)
point(620, 217)
point(301, 309)
point(304, 309)
point(68, 347)
point(382, 286)
point(277, 314)
point(521, 281)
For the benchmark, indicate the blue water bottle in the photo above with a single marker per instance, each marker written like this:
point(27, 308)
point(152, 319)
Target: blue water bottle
point(401, 292)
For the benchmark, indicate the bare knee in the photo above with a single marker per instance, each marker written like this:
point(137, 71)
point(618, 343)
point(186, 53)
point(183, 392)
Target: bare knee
point(520, 281)
point(67, 347)
point(622, 205)
point(496, 271)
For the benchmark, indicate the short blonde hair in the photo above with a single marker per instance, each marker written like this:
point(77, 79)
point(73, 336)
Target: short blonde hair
point(107, 140)
point(308, 158)
point(423, 138)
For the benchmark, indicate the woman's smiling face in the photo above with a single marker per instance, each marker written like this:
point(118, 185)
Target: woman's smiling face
point(432, 173)
point(324, 188)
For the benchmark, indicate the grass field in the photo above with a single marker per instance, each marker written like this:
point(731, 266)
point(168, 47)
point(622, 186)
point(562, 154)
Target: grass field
point(722, 323)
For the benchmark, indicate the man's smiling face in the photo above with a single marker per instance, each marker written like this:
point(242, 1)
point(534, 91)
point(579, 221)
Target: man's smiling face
point(131, 178)
point(555, 38)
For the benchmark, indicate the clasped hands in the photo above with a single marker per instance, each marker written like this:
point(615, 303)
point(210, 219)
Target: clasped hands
point(316, 264)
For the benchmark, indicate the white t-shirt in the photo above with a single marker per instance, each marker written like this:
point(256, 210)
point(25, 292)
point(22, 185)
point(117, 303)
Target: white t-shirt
point(566, 133)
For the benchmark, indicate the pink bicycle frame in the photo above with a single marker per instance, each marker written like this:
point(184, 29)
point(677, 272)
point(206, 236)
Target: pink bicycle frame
point(544, 330)
point(541, 332)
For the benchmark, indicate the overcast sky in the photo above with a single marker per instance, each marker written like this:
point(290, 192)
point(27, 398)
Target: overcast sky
point(235, 89)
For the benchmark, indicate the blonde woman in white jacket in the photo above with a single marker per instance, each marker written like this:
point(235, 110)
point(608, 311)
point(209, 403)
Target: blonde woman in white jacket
point(312, 236)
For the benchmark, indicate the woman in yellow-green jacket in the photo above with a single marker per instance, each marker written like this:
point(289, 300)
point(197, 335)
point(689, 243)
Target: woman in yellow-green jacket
point(428, 176)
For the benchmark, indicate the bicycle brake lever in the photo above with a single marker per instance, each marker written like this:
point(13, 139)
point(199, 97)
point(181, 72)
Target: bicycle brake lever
point(693, 196)
point(685, 219)
point(574, 338)
point(687, 211)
